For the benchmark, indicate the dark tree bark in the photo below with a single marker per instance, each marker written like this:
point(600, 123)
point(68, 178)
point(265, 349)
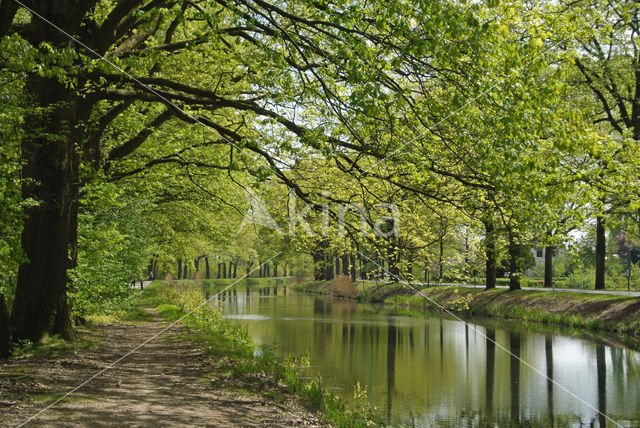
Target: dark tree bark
point(515, 256)
point(185, 275)
point(275, 269)
point(50, 170)
point(219, 270)
point(352, 267)
point(318, 264)
point(207, 271)
point(490, 252)
point(179, 268)
point(224, 270)
point(345, 264)
point(440, 258)
point(548, 265)
point(230, 268)
point(235, 269)
point(328, 269)
point(601, 252)
point(5, 330)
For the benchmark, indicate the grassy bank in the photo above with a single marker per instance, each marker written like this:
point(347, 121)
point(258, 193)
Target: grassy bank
point(231, 345)
point(619, 314)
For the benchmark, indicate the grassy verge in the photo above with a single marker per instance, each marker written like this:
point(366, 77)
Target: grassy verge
point(598, 312)
point(231, 344)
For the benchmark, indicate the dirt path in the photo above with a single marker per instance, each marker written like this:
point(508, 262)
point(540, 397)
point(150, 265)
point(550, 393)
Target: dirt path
point(167, 382)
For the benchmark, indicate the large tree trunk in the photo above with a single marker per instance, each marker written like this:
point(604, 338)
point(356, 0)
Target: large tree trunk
point(5, 331)
point(207, 271)
point(548, 265)
point(490, 252)
point(601, 252)
point(179, 268)
point(328, 268)
point(318, 264)
point(50, 173)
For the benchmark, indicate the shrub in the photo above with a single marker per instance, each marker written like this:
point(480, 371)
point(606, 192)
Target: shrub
point(343, 286)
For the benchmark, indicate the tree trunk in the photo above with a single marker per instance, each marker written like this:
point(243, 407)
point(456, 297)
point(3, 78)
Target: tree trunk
point(224, 270)
point(50, 173)
point(275, 270)
point(207, 271)
point(514, 263)
point(318, 267)
point(219, 270)
point(230, 268)
point(5, 331)
point(328, 269)
point(345, 264)
point(440, 259)
point(179, 268)
point(548, 266)
point(601, 252)
point(235, 269)
point(490, 252)
point(186, 271)
point(352, 267)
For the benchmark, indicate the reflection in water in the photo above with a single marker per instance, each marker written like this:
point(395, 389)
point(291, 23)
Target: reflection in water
point(489, 371)
point(601, 368)
point(514, 367)
point(430, 371)
point(548, 353)
point(391, 364)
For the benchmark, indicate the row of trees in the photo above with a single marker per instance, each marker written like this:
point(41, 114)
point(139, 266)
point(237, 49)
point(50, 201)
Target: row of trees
point(134, 130)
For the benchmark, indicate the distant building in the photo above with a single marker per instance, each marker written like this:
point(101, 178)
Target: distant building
point(538, 253)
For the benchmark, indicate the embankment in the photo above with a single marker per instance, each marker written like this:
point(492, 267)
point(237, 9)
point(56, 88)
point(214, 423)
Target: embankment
point(598, 312)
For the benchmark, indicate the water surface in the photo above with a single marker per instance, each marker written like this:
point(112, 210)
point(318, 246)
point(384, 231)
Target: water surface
point(432, 371)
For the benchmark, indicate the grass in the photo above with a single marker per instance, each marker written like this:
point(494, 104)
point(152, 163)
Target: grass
point(231, 346)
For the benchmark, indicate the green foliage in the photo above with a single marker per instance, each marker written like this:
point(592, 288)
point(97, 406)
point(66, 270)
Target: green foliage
point(114, 248)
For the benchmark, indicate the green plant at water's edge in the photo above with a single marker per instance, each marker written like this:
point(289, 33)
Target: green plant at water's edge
point(220, 337)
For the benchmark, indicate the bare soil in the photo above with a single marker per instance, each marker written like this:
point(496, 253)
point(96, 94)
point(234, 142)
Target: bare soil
point(169, 382)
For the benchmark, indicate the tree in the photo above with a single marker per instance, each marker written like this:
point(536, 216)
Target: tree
point(222, 56)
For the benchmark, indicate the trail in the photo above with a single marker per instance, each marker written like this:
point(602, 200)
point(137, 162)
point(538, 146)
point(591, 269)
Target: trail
point(168, 382)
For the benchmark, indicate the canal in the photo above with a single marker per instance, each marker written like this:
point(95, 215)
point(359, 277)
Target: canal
point(431, 370)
